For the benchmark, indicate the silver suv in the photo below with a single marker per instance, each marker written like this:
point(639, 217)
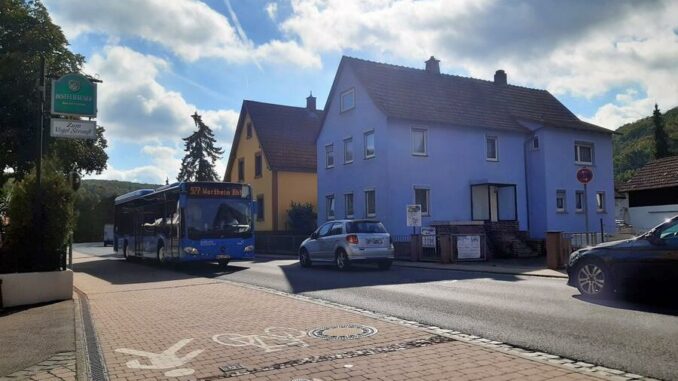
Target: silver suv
point(344, 242)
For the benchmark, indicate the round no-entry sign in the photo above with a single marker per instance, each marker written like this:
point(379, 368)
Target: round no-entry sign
point(584, 175)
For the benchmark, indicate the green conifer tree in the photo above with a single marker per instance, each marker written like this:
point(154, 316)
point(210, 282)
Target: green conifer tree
point(661, 139)
point(201, 153)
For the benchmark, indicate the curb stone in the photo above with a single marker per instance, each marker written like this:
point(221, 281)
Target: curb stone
point(545, 358)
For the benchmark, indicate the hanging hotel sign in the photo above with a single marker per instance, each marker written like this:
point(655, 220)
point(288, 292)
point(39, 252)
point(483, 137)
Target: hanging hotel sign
point(73, 129)
point(75, 95)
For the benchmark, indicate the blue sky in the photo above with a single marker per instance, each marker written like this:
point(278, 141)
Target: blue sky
point(608, 61)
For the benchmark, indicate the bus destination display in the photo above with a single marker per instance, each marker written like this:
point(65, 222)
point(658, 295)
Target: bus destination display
point(221, 190)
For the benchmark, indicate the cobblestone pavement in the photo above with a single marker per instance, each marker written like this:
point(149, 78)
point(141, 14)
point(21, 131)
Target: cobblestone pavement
point(58, 367)
point(153, 323)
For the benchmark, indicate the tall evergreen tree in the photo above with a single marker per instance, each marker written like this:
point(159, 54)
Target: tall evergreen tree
point(661, 138)
point(198, 164)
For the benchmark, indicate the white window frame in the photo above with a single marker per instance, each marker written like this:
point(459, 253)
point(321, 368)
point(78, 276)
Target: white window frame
point(329, 148)
point(365, 135)
point(346, 197)
point(367, 208)
point(600, 206)
point(424, 131)
point(577, 153)
point(581, 194)
point(330, 205)
point(348, 142)
point(496, 147)
point(561, 194)
point(427, 213)
point(342, 106)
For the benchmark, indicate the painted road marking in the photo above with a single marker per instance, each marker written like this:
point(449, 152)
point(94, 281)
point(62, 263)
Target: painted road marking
point(274, 339)
point(165, 360)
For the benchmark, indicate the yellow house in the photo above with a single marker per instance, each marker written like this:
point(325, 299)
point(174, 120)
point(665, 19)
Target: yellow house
point(274, 151)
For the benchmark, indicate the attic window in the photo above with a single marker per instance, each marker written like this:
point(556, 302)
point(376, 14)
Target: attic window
point(347, 100)
point(249, 130)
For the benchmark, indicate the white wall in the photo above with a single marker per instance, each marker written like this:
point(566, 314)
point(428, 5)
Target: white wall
point(643, 218)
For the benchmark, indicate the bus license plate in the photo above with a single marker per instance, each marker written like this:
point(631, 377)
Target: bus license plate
point(222, 256)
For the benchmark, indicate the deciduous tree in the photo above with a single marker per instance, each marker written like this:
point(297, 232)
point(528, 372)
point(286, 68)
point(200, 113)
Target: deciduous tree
point(27, 34)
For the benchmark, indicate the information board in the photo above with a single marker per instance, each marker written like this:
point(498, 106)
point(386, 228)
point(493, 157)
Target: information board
point(468, 247)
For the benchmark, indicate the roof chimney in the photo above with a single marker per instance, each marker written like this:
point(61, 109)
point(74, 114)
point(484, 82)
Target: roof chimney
point(310, 102)
point(433, 65)
point(500, 77)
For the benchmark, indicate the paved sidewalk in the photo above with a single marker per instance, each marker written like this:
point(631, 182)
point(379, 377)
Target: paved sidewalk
point(38, 342)
point(153, 323)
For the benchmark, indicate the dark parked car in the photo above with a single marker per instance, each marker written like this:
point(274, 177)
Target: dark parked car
point(649, 259)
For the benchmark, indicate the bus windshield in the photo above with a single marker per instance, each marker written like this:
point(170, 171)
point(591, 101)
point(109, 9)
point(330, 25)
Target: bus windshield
point(218, 218)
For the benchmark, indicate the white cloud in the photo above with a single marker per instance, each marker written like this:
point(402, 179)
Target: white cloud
point(190, 29)
point(272, 11)
point(134, 106)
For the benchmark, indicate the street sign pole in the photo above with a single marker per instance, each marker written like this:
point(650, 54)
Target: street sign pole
point(586, 212)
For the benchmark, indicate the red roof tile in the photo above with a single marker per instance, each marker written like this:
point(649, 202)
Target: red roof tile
point(660, 173)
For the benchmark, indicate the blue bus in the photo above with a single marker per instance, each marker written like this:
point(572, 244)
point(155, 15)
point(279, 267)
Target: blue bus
point(186, 222)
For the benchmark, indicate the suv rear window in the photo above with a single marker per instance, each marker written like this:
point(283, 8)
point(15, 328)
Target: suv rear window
point(365, 227)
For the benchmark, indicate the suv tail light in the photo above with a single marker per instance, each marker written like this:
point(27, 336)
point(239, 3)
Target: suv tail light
point(352, 238)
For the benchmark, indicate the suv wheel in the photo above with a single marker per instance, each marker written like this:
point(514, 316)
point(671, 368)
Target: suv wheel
point(304, 258)
point(342, 261)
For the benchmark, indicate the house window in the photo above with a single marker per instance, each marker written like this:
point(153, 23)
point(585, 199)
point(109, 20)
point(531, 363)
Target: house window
point(600, 201)
point(348, 205)
point(347, 100)
point(260, 207)
point(348, 150)
point(329, 206)
point(369, 145)
point(580, 201)
point(583, 153)
point(257, 164)
point(370, 203)
point(421, 197)
point(241, 169)
point(560, 201)
point(329, 156)
point(419, 142)
point(491, 148)
point(535, 142)
point(249, 130)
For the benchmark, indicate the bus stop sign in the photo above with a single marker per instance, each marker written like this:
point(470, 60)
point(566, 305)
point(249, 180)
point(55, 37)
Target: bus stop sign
point(584, 175)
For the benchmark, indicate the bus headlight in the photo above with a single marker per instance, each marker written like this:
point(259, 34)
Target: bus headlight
point(249, 249)
point(191, 250)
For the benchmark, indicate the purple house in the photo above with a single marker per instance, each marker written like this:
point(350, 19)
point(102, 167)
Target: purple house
point(465, 149)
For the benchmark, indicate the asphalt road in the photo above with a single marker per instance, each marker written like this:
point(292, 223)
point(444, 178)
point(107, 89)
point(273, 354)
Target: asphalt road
point(538, 313)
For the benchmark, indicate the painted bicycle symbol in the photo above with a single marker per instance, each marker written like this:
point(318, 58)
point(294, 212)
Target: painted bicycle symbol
point(274, 339)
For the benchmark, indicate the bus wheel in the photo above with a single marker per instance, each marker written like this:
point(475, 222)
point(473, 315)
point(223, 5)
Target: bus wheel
point(162, 253)
point(223, 263)
point(124, 252)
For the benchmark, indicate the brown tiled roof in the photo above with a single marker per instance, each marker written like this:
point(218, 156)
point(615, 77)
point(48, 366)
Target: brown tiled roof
point(287, 135)
point(660, 173)
point(419, 95)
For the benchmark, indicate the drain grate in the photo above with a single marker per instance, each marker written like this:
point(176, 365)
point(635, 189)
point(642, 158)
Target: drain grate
point(343, 332)
point(95, 359)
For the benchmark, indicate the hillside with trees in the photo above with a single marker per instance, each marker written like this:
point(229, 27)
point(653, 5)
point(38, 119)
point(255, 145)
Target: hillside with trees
point(635, 146)
point(94, 206)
